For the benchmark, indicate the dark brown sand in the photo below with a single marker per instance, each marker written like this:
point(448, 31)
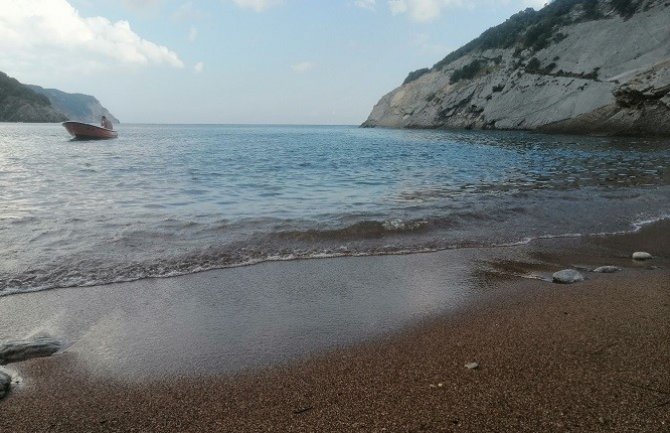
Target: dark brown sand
point(593, 356)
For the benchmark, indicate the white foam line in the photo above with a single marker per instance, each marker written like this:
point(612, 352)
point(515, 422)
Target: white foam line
point(636, 226)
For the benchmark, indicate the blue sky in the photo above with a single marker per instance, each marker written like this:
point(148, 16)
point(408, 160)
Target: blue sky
point(236, 61)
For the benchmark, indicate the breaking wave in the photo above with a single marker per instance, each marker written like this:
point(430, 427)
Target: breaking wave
point(306, 244)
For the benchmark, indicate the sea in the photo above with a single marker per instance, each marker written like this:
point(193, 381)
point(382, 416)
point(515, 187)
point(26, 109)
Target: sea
point(168, 200)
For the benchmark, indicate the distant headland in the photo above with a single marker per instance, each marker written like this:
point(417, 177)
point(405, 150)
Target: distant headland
point(575, 66)
point(28, 103)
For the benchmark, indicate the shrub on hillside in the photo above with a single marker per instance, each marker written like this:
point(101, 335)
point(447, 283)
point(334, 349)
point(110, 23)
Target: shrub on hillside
point(415, 75)
point(625, 8)
point(466, 72)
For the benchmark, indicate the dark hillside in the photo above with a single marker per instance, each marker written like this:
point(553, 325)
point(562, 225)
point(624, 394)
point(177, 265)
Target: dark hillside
point(76, 106)
point(20, 104)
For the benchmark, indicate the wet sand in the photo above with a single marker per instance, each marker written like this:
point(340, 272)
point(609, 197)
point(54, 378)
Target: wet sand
point(593, 356)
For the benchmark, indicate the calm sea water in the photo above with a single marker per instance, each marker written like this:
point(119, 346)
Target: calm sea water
point(171, 200)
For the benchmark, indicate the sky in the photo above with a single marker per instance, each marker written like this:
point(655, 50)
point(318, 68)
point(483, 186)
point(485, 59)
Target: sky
point(236, 61)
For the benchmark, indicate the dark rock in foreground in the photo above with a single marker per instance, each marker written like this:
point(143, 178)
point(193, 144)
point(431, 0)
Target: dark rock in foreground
point(15, 351)
point(5, 384)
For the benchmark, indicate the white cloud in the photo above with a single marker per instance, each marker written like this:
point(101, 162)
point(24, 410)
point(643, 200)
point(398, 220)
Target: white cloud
point(257, 5)
point(303, 67)
point(535, 4)
point(199, 67)
point(421, 10)
point(430, 10)
point(34, 31)
point(366, 4)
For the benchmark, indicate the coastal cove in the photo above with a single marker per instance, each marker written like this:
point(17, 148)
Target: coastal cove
point(340, 337)
point(256, 246)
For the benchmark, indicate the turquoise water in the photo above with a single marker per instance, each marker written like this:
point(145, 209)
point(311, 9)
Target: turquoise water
point(164, 200)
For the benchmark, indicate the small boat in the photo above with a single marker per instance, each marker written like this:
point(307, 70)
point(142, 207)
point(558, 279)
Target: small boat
point(87, 131)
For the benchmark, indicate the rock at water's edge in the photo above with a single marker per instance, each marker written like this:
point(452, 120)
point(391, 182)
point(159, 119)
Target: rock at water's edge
point(5, 384)
point(641, 255)
point(15, 351)
point(567, 276)
point(607, 269)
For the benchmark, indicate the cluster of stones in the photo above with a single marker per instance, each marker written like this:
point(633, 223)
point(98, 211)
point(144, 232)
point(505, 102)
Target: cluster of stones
point(569, 276)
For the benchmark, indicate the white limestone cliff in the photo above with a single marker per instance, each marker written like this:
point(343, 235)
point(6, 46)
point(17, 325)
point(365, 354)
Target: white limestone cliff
point(608, 75)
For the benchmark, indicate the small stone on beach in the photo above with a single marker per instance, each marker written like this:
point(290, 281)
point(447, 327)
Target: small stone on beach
point(15, 351)
point(607, 269)
point(567, 276)
point(641, 255)
point(5, 384)
point(472, 366)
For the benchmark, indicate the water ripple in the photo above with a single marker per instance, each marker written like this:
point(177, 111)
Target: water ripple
point(168, 200)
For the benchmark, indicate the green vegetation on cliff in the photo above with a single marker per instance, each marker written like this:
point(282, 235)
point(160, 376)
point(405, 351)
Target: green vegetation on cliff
point(20, 104)
point(535, 30)
point(466, 72)
point(76, 106)
point(416, 75)
point(27, 103)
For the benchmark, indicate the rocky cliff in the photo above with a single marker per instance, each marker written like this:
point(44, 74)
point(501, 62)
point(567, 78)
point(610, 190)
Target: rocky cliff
point(579, 66)
point(20, 104)
point(27, 103)
point(76, 106)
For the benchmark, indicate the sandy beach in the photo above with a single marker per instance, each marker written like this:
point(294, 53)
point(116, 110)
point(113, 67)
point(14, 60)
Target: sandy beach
point(592, 356)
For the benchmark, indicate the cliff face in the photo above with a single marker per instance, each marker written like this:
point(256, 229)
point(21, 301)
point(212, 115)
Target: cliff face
point(582, 66)
point(26, 103)
point(20, 104)
point(76, 106)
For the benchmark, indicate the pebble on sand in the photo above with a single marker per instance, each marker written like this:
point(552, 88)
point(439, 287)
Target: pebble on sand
point(567, 276)
point(15, 351)
point(472, 366)
point(641, 255)
point(607, 269)
point(5, 384)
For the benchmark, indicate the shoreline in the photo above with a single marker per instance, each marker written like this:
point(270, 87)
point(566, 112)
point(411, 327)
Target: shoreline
point(552, 357)
point(634, 227)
